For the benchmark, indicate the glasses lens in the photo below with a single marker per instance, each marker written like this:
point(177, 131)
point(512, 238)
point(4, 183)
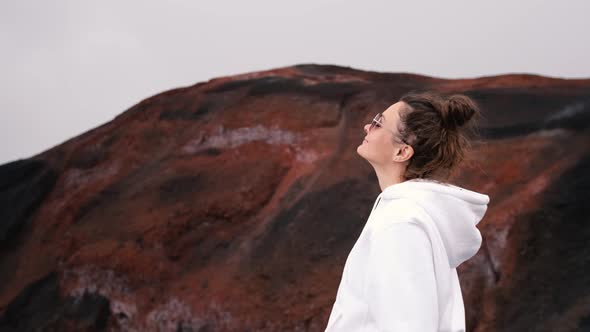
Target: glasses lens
point(375, 121)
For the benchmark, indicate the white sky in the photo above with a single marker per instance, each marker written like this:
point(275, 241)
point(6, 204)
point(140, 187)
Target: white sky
point(69, 66)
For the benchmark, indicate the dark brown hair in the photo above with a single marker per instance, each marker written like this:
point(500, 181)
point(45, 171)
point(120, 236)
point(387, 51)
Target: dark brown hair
point(437, 127)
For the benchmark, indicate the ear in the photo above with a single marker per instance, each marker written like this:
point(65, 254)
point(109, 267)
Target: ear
point(405, 152)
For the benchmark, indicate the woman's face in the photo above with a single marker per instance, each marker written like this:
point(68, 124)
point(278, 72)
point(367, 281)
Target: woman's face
point(380, 146)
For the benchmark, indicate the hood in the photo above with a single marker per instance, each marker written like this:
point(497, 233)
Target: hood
point(455, 211)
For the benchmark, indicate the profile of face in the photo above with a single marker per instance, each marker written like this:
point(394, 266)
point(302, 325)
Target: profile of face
point(382, 145)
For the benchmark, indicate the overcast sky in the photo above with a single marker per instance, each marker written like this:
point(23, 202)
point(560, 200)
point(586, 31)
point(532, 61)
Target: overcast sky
point(69, 66)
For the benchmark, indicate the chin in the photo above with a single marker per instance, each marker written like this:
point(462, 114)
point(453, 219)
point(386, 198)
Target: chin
point(360, 151)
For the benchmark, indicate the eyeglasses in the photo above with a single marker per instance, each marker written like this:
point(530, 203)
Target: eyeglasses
point(376, 122)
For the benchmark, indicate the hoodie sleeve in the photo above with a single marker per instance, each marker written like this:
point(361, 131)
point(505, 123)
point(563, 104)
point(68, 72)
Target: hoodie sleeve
point(400, 279)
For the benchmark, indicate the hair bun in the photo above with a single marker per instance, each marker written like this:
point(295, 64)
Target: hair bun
point(458, 110)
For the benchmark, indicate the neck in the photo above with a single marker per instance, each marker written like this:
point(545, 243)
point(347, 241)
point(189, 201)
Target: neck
point(388, 176)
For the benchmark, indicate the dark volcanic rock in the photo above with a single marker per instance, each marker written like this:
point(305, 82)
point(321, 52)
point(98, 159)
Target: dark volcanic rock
point(23, 186)
point(39, 307)
point(232, 205)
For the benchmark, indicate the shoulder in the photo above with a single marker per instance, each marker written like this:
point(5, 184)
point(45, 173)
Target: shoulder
point(398, 211)
point(399, 241)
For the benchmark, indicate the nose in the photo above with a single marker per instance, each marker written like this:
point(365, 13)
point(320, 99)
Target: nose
point(366, 127)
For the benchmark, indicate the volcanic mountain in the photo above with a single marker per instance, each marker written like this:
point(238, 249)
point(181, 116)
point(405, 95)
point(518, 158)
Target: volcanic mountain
point(232, 204)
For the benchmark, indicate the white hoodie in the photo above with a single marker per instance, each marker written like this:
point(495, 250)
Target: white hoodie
point(401, 273)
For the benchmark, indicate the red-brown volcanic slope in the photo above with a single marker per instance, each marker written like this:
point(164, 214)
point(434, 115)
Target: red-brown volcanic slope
point(231, 205)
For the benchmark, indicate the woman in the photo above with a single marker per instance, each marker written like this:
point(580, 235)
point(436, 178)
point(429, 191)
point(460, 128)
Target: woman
point(401, 274)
